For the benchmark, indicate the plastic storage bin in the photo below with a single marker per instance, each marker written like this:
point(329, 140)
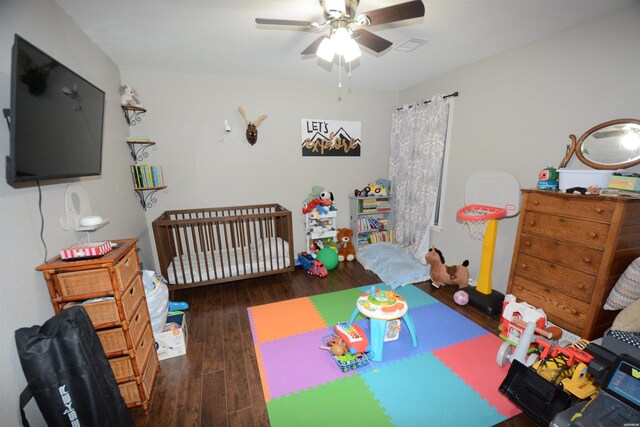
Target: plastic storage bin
point(570, 178)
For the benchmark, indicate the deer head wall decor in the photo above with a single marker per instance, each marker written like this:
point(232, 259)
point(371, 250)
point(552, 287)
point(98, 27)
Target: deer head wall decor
point(252, 126)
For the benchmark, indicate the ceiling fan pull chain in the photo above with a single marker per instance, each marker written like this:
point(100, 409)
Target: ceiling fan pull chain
point(340, 71)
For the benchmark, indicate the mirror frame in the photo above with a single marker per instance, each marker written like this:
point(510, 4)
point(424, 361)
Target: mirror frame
point(578, 146)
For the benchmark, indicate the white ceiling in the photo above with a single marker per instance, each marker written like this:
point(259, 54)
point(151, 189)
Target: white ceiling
point(221, 37)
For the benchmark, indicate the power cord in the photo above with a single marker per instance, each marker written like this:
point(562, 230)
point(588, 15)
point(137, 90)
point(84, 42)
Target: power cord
point(41, 220)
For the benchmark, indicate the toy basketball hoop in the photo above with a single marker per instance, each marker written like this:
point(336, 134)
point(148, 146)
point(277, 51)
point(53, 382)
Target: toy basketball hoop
point(478, 216)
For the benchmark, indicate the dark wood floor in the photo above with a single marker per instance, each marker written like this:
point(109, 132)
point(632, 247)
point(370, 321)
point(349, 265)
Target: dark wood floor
point(217, 382)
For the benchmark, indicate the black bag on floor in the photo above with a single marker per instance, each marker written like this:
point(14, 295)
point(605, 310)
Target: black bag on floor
point(69, 374)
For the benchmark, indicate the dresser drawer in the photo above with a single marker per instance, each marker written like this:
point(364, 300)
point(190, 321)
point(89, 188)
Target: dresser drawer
point(591, 208)
point(132, 297)
point(139, 322)
point(83, 282)
point(127, 268)
point(578, 257)
point(566, 312)
point(574, 283)
point(150, 373)
point(588, 233)
point(124, 367)
point(112, 340)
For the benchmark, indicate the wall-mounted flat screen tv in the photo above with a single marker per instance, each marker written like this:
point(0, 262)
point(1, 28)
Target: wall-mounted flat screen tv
point(56, 119)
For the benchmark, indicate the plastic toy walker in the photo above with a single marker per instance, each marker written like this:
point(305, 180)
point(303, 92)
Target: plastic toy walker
point(519, 324)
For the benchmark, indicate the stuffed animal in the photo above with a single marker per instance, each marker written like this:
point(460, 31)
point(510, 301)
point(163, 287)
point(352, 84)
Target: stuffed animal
point(346, 250)
point(129, 97)
point(442, 274)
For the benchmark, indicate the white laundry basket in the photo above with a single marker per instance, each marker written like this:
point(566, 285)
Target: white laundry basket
point(157, 299)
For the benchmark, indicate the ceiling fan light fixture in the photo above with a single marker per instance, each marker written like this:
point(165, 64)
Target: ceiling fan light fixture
point(340, 39)
point(325, 50)
point(351, 50)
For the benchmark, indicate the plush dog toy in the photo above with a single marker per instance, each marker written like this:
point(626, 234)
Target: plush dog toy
point(346, 250)
point(442, 274)
point(129, 97)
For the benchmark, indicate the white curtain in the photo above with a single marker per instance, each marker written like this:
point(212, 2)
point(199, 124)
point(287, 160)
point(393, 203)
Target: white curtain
point(418, 135)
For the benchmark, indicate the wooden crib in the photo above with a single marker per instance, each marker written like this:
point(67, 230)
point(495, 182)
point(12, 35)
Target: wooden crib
point(199, 247)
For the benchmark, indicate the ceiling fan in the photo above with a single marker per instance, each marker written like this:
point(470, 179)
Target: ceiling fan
point(340, 16)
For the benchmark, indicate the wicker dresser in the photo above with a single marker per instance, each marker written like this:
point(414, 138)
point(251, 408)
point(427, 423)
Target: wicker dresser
point(568, 254)
point(122, 323)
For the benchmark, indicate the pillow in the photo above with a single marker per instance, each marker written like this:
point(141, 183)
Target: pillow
point(628, 320)
point(392, 264)
point(627, 289)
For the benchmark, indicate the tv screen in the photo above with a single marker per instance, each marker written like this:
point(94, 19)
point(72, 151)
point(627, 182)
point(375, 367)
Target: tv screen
point(56, 119)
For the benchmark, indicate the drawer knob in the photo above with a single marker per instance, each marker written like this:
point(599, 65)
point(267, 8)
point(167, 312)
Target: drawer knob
point(527, 243)
point(586, 260)
point(593, 235)
point(599, 210)
point(126, 263)
point(580, 286)
point(532, 222)
point(535, 202)
point(573, 311)
point(524, 266)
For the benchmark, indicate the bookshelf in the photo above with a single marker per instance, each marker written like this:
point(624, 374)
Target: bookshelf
point(371, 219)
point(147, 179)
point(320, 226)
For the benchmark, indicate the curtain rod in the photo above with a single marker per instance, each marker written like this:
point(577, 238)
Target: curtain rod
point(454, 94)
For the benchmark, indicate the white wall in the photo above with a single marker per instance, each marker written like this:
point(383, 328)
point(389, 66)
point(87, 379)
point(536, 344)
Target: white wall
point(516, 110)
point(25, 297)
point(204, 167)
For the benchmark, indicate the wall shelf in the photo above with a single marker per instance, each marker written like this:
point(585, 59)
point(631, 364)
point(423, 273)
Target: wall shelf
point(139, 149)
point(132, 114)
point(147, 195)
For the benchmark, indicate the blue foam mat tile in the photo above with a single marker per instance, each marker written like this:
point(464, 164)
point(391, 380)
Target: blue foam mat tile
point(412, 393)
point(430, 321)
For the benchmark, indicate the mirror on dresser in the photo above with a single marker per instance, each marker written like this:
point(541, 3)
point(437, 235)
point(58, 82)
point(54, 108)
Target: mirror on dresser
point(610, 145)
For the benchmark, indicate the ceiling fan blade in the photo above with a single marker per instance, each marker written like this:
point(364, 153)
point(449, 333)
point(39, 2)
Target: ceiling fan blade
point(291, 22)
point(371, 41)
point(398, 12)
point(313, 47)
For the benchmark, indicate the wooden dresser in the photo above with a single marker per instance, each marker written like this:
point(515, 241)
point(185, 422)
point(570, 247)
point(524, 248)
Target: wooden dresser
point(569, 252)
point(122, 323)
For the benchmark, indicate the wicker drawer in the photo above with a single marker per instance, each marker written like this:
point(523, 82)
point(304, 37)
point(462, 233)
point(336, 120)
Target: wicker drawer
point(568, 254)
point(124, 366)
point(103, 312)
point(559, 278)
point(127, 269)
point(588, 233)
point(150, 373)
point(131, 391)
point(113, 340)
point(139, 322)
point(132, 297)
point(567, 312)
point(571, 206)
point(84, 282)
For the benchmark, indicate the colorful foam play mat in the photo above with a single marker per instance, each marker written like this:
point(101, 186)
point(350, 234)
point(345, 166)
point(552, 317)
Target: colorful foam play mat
point(450, 378)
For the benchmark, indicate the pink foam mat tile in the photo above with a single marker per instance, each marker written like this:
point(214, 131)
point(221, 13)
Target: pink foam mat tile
point(474, 361)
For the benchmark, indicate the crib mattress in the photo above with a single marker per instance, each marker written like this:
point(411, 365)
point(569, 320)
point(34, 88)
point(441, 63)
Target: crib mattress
point(216, 265)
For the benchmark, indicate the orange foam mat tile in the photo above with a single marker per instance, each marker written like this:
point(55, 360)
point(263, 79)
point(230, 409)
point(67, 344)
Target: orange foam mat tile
point(284, 319)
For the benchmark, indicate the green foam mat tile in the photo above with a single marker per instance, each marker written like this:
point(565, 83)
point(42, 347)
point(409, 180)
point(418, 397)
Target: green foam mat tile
point(346, 402)
point(336, 307)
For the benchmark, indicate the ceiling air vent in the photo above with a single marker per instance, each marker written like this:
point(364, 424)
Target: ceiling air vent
point(412, 44)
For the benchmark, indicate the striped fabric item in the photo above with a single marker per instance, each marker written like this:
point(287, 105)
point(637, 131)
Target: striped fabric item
point(627, 289)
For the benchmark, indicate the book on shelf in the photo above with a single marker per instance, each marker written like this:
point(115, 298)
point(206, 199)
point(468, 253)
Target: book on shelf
point(145, 176)
point(382, 236)
point(367, 224)
point(137, 139)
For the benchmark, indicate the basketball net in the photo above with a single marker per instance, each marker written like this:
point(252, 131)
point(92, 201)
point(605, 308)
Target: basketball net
point(477, 227)
point(477, 217)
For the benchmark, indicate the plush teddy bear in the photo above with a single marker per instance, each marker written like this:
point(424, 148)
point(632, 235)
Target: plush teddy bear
point(346, 250)
point(129, 97)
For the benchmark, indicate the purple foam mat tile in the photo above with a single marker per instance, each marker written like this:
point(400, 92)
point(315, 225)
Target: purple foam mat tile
point(296, 363)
